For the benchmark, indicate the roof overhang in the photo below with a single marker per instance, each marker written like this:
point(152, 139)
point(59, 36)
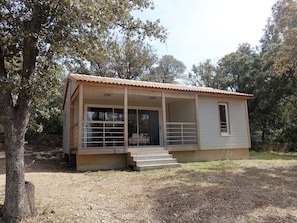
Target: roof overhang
point(99, 81)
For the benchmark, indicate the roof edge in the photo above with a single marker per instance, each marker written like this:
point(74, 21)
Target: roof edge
point(90, 79)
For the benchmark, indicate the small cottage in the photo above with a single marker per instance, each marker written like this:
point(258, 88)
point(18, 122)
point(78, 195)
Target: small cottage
point(112, 123)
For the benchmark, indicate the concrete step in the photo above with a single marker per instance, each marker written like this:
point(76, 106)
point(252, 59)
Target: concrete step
point(146, 149)
point(158, 166)
point(150, 153)
point(155, 162)
point(149, 158)
point(152, 157)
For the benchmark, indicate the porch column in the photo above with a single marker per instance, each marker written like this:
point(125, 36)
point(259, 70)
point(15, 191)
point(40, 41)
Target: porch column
point(197, 122)
point(164, 120)
point(126, 119)
point(71, 126)
point(80, 119)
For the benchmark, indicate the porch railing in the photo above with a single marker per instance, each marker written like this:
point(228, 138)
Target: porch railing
point(181, 133)
point(103, 134)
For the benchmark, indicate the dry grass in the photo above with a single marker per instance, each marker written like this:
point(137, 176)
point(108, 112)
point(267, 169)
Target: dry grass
point(255, 190)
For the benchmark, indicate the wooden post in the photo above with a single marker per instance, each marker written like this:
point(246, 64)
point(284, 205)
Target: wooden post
point(247, 124)
point(126, 119)
point(71, 126)
point(80, 119)
point(164, 120)
point(197, 122)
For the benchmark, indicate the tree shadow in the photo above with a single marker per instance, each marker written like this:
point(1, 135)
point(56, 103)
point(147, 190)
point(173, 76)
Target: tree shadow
point(41, 159)
point(249, 195)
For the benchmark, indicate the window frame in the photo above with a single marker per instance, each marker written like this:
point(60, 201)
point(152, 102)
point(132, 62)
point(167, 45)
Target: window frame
point(227, 117)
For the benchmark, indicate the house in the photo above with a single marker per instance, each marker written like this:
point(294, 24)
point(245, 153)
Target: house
point(114, 123)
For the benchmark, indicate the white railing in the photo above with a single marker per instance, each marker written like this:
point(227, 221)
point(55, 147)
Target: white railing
point(181, 133)
point(103, 134)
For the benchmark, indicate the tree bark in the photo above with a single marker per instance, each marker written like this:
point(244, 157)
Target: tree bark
point(15, 191)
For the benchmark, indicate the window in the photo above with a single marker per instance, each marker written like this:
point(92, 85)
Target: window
point(224, 119)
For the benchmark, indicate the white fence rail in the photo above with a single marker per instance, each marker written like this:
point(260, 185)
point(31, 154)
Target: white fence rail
point(103, 134)
point(181, 133)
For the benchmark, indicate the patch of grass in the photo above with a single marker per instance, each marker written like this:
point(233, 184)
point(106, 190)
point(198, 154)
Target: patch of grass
point(225, 164)
point(273, 156)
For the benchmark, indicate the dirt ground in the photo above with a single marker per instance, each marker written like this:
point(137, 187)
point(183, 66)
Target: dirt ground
point(242, 191)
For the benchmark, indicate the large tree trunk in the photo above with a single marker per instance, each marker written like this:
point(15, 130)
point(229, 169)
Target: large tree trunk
point(15, 177)
point(15, 122)
point(16, 205)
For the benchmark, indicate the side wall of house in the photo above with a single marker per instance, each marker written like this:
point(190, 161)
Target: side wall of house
point(66, 117)
point(209, 121)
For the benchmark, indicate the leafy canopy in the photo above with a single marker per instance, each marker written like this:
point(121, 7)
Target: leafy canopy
point(37, 37)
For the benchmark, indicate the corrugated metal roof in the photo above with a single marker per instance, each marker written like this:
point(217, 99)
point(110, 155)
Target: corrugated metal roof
point(80, 78)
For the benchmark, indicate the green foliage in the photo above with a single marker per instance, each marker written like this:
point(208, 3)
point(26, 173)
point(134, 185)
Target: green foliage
point(268, 74)
point(131, 59)
point(204, 74)
point(168, 69)
point(37, 37)
point(285, 18)
point(272, 156)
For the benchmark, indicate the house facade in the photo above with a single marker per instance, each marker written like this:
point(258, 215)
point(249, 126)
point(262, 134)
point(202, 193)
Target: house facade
point(107, 118)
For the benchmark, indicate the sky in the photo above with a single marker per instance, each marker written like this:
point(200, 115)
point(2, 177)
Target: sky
point(208, 29)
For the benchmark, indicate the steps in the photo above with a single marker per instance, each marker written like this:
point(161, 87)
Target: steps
point(150, 158)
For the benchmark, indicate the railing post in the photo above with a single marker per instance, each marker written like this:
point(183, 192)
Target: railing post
point(164, 120)
point(182, 133)
point(126, 119)
point(80, 119)
point(197, 123)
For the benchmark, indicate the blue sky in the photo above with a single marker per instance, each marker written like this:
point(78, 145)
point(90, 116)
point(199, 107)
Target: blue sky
point(208, 29)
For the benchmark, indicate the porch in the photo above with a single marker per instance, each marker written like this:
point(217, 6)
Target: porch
point(112, 120)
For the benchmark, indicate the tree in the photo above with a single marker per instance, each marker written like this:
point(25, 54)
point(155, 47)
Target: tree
point(285, 18)
point(131, 59)
point(204, 74)
point(167, 70)
point(275, 95)
point(34, 37)
point(237, 70)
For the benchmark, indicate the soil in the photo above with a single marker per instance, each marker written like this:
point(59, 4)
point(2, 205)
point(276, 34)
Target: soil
point(245, 191)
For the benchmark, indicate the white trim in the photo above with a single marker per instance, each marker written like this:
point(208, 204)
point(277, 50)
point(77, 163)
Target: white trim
point(228, 132)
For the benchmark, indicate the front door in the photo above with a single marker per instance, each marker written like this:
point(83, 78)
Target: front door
point(143, 127)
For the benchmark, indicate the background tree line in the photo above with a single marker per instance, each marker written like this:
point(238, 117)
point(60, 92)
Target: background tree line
point(267, 71)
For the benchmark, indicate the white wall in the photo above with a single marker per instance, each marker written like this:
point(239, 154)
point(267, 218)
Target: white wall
point(210, 136)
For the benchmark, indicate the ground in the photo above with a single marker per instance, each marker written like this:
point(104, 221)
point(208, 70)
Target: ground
point(253, 190)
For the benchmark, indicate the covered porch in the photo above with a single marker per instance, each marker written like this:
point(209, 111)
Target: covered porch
point(113, 119)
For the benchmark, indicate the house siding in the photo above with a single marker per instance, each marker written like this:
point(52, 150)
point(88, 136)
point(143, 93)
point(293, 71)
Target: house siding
point(182, 111)
point(66, 125)
point(210, 136)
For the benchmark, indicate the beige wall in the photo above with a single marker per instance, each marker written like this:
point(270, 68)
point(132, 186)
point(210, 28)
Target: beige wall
point(101, 162)
point(181, 111)
point(208, 155)
point(209, 123)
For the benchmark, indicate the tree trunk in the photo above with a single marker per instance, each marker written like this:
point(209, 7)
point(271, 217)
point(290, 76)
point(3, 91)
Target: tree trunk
point(16, 202)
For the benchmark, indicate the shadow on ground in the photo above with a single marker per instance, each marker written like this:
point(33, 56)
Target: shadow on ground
point(41, 159)
point(251, 195)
